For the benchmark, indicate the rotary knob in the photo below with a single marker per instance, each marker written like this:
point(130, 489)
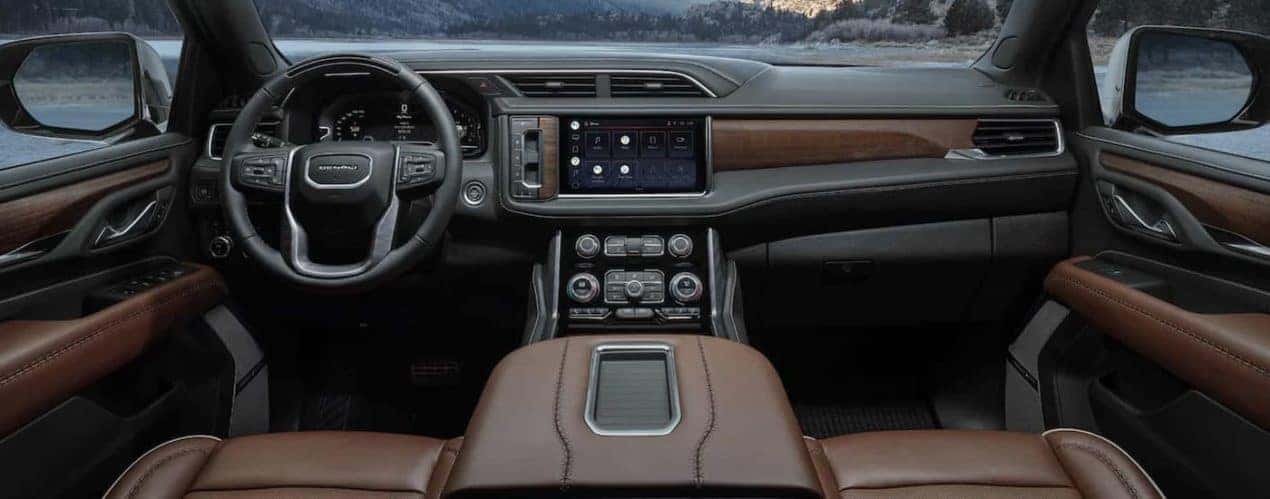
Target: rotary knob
point(583, 288)
point(686, 287)
point(220, 246)
point(679, 245)
point(634, 290)
point(587, 246)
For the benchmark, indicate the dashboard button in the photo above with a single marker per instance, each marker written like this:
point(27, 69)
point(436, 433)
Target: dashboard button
point(680, 246)
point(638, 313)
point(681, 145)
point(615, 246)
point(652, 246)
point(653, 144)
point(634, 290)
point(587, 246)
point(583, 288)
point(686, 287)
point(625, 144)
point(597, 144)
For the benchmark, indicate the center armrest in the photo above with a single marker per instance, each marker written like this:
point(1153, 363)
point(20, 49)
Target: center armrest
point(551, 419)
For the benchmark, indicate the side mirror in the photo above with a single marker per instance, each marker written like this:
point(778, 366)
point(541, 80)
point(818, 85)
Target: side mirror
point(1173, 80)
point(94, 86)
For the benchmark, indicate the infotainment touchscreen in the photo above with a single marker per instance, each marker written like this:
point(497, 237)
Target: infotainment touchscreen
point(632, 155)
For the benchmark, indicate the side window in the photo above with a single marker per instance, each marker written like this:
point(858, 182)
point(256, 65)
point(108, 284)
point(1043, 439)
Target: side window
point(76, 95)
point(1184, 81)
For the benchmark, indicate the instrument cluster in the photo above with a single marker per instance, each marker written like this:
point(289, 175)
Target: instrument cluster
point(395, 116)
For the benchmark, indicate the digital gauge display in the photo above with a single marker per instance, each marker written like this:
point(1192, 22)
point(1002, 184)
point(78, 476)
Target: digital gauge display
point(396, 117)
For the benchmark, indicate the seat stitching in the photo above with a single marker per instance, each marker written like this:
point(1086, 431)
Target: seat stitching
point(132, 492)
point(1102, 457)
point(1194, 336)
point(567, 460)
point(30, 366)
point(698, 473)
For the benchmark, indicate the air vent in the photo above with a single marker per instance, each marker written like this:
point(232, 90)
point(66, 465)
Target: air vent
point(1017, 137)
point(571, 85)
point(654, 85)
point(1024, 95)
point(220, 133)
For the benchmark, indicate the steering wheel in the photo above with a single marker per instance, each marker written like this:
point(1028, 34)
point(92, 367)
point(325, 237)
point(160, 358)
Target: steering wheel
point(337, 192)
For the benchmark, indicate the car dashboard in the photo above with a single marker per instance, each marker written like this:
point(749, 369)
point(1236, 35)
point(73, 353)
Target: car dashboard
point(633, 182)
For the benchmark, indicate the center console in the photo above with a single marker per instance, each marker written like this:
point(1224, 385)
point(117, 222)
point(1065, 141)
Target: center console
point(639, 278)
point(634, 416)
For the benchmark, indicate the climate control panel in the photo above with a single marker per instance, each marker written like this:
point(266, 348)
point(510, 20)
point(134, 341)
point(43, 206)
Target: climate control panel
point(636, 279)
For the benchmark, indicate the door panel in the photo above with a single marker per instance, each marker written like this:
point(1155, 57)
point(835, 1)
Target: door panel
point(102, 350)
point(1166, 346)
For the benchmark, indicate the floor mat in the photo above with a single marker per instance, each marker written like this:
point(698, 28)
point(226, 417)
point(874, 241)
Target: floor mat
point(824, 421)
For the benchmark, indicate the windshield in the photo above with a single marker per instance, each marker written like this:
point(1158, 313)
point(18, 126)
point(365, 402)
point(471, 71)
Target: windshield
point(815, 32)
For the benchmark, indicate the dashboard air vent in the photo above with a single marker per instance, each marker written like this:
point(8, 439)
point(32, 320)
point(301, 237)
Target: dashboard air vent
point(220, 133)
point(567, 85)
point(1017, 137)
point(653, 85)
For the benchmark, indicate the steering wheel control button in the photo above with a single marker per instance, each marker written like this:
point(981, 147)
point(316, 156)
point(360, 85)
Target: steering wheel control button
point(583, 288)
point(416, 169)
point(262, 171)
point(686, 287)
point(587, 246)
point(474, 193)
point(680, 246)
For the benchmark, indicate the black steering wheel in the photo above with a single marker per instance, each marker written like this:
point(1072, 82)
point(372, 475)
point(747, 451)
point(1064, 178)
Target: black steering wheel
point(335, 193)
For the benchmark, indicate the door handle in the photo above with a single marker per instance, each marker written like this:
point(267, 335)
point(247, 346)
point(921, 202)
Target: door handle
point(111, 233)
point(1129, 216)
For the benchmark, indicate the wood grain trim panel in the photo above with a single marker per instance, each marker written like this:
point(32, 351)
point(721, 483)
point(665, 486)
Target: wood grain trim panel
point(757, 144)
point(549, 165)
point(58, 210)
point(1214, 203)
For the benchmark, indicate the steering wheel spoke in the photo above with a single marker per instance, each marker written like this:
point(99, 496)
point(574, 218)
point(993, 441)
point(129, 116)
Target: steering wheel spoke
point(420, 168)
point(262, 169)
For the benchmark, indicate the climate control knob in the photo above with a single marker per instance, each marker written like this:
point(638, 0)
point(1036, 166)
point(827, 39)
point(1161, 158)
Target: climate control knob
point(686, 287)
point(679, 245)
point(583, 288)
point(587, 246)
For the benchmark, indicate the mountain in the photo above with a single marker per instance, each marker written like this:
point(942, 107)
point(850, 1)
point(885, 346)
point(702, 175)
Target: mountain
point(737, 21)
point(807, 8)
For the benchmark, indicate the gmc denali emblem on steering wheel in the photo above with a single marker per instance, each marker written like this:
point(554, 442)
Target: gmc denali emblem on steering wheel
point(338, 171)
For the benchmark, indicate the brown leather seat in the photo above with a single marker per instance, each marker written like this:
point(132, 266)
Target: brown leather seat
point(979, 464)
point(304, 464)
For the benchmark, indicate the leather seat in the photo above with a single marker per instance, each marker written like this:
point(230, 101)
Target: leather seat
point(303, 464)
point(980, 464)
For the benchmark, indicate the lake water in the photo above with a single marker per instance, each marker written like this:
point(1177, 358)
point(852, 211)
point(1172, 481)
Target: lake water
point(18, 149)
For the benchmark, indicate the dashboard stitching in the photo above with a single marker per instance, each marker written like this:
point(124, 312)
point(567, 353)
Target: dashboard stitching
point(712, 424)
point(567, 460)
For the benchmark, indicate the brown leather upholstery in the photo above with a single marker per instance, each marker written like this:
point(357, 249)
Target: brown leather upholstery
point(1224, 355)
point(305, 464)
point(980, 464)
point(43, 363)
point(737, 430)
